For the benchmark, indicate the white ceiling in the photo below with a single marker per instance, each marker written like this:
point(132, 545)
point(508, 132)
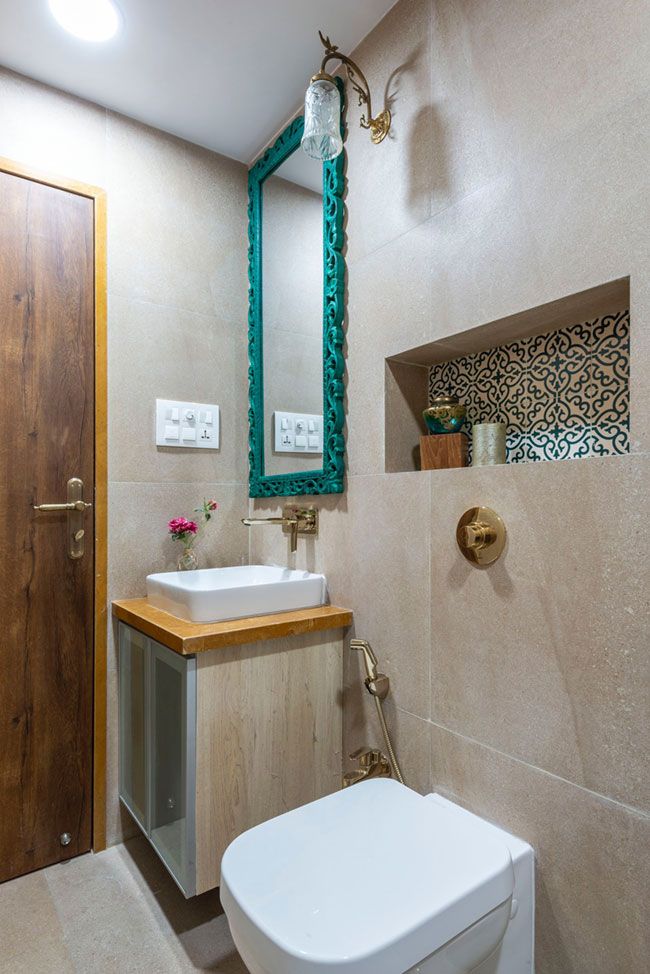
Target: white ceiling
point(225, 74)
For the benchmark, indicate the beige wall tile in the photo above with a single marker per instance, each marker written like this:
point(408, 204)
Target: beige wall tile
point(543, 655)
point(591, 855)
point(390, 308)
point(550, 67)
point(188, 356)
point(389, 185)
point(177, 222)
point(583, 200)
point(51, 131)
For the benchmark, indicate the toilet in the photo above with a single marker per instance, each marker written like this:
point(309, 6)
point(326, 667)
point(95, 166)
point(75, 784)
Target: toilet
point(377, 879)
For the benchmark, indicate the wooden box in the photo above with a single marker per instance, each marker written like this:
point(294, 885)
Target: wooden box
point(440, 451)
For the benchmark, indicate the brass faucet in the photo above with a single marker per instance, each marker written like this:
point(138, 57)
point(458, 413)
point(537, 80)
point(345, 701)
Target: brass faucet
point(295, 520)
point(372, 764)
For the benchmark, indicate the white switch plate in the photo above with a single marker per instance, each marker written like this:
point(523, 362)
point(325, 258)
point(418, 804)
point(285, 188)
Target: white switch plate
point(297, 433)
point(189, 425)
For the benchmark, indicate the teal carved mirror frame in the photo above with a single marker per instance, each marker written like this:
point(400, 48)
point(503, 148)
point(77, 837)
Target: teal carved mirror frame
point(329, 479)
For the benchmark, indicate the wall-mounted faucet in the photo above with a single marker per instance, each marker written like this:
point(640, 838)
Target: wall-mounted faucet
point(295, 520)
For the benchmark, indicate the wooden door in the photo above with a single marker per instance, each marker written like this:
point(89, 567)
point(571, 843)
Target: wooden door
point(46, 597)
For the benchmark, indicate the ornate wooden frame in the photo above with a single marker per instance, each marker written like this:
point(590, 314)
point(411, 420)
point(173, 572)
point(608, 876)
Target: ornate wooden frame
point(329, 479)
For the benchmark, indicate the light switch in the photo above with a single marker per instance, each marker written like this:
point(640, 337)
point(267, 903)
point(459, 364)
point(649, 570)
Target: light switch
point(284, 425)
point(177, 424)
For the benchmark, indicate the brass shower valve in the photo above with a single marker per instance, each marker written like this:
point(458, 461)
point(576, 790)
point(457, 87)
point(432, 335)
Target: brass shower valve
point(481, 535)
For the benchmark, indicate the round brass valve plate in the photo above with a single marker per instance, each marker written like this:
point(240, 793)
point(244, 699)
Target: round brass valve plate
point(481, 535)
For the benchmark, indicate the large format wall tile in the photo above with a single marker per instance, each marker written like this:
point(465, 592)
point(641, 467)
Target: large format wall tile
point(544, 654)
point(550, 67)
point(390, 306)
point(51, 131)
point(188, 356)
point(591, 855)
point(389, 184)
point(177, 222)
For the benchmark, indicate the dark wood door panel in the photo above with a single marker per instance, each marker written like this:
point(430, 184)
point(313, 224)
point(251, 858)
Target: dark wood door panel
point(46, 598)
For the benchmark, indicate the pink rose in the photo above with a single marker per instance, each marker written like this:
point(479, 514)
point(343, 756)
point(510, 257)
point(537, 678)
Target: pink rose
point(178, 527)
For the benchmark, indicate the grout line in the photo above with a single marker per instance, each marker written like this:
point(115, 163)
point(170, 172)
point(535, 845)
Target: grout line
point(487, 747)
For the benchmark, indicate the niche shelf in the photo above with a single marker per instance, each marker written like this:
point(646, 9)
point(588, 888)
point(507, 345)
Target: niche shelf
point(557, 375)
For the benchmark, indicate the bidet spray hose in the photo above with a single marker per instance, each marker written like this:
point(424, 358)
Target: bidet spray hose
point(389, 744)
point(371, 684)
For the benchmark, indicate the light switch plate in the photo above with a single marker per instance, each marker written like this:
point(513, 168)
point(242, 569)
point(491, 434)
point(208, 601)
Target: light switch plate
point(187, 425)
point(297, 433)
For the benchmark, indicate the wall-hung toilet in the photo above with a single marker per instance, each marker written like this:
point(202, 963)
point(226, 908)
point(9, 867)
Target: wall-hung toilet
point(377, 879)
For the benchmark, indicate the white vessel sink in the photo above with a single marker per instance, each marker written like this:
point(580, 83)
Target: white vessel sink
point(217, 594)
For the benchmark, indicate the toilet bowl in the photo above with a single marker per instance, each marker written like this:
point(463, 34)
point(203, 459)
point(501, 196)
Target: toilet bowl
point(377, 879)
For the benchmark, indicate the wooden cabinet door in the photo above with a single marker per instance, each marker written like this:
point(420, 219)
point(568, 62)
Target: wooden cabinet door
point(46, 597)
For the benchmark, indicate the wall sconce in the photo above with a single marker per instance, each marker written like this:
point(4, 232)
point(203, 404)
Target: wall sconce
point(322, 136)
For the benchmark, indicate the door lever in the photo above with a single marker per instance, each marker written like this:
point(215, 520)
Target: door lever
point(70, 506)
point(75, 507)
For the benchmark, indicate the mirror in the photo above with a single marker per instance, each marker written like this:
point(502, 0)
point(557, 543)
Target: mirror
point(292, 307)
point(296, 273)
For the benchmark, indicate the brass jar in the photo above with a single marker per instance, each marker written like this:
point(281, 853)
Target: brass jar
point(445, 415)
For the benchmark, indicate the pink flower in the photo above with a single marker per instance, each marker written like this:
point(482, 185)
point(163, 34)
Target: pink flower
point(211, 505)
point(179, 527)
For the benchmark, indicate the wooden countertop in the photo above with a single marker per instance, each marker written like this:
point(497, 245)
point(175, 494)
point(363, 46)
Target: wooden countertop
point(187, 638)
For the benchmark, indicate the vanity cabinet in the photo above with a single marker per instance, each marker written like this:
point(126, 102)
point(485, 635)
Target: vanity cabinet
point(216, 742)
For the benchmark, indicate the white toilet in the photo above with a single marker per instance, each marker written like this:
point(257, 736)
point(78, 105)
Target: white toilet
point(377, 879)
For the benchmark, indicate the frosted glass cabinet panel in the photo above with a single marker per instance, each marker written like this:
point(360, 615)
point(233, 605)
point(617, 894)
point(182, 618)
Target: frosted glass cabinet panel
point(158, 748)
point(133, 722)
point(173, 766)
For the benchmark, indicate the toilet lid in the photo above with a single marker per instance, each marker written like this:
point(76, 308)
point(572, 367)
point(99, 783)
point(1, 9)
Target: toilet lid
point(369, 880)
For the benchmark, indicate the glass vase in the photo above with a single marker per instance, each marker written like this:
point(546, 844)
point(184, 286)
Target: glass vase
point(187, 560)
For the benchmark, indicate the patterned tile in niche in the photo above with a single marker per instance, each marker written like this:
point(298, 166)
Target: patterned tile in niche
point(610, 370)
point(500, 374)
point(563, 395)
point(609, 441)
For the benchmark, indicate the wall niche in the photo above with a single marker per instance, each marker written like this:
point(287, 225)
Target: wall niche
point(557, 375)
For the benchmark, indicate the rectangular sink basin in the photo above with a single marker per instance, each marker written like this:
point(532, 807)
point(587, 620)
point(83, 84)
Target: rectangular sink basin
point(217, 594)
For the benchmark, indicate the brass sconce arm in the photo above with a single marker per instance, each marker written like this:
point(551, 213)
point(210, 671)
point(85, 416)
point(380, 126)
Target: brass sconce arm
point(379, 126)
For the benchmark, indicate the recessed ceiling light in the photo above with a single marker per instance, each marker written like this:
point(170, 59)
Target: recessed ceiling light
point(90, 20)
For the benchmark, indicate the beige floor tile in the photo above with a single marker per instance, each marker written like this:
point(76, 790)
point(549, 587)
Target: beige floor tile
point(121, 911)
point(31, 936)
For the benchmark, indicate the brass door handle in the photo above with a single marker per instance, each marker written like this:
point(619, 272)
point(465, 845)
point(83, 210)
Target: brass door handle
point(75, 507)
point(70, 506)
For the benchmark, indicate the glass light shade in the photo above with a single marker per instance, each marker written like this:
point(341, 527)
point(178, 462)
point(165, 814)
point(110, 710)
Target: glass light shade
point(322, 136)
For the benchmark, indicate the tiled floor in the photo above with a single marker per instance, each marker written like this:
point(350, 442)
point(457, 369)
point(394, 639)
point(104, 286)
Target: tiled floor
point(116, 912)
